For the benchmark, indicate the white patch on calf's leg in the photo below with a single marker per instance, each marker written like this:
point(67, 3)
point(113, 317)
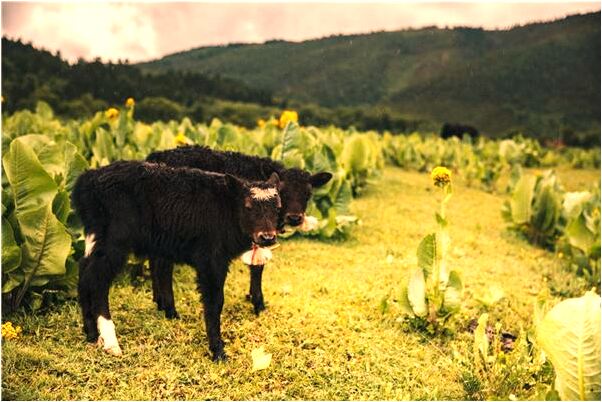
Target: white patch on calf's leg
point(107, 338)
point(90, 242)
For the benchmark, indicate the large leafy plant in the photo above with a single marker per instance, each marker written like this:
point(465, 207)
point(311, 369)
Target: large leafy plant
point(434, 292)
point(570, 336)
point(535, 207)
point(38, 229)
point(580, 243)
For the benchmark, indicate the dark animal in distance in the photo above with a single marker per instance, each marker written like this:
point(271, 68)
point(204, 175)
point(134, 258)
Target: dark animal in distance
point(182, 215)
point(295, 190)
point(458, 130)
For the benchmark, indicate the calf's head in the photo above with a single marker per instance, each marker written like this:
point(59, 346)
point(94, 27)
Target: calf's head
point(295, 190)
point(258, 208)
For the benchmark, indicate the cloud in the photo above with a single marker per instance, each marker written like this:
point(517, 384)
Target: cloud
point(88, 30)
point(143, 31)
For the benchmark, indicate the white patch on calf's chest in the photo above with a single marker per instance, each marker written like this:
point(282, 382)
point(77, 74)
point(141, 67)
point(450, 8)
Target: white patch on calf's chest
point(257, 256)
point(90, 242)
point(107, 337)
point(263, 194)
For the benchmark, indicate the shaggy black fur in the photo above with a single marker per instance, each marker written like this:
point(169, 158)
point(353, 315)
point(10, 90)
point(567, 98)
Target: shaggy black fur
point(182, 215)
point(458, 130)
point(295, 191)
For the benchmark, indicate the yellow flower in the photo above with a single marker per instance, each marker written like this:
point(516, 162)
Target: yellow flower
point(286, 116)
point(111, 113)
point(10, 332)
point(181, 139)
point(261, 123)
point(441, 176)
point(130, 102)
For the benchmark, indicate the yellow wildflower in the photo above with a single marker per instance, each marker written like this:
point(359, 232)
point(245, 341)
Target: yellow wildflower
point(441, 176)
point(10, 332)
point(261, 123)
point(111, 113)
point(286, 116)
point(130, 102)
point(181, 139)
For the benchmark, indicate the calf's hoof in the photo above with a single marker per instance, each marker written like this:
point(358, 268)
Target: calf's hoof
point(171, 314)
point(219, 357)
point(93, 338)
point(112, 349)
point(258, 307)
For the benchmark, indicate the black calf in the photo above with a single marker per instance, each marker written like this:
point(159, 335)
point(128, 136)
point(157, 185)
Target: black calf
point(170, 214)
point(295, 190)
point(458, 130)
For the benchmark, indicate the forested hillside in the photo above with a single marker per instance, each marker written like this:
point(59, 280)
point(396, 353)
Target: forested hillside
point(543, 79)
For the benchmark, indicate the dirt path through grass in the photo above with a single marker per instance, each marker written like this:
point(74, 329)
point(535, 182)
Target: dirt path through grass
point(323, 324)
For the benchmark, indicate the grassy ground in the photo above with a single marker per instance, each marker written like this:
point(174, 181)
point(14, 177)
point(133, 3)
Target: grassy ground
point(323, 324)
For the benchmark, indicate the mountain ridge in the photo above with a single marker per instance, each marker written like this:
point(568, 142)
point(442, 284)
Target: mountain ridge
point(536, 78)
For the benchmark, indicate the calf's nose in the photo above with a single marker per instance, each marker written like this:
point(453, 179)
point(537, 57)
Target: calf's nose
point(294, 219)
point(267, 236)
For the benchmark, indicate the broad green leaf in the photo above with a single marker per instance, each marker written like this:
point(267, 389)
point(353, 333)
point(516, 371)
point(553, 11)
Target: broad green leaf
point(404, 302)
point(293, 159)
point(481, 342)
point(427, 253)
point(570, 336)
point(491, 295)
point(31, 185)
point(47, 244)
point(12, 280)
point(343, 199)
point(44, 111)
point(68, 281)
point(355, 154)
point(75, 164)
point(290, 139)
point(573, 202)
point(103, 148)
point(522, 197)
point(579, 235)
point(11, 252)
point(51, 157)
point(546, 210)
point(331, 225)
point(452, 299)
point(417, 293)
point(61, 206)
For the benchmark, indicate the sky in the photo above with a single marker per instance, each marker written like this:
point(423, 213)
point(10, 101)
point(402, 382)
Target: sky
point(144, 31)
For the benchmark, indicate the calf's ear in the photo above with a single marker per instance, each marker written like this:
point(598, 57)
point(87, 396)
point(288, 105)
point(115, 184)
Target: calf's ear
point(319, 179)
point(233, 183)
point(274, 179)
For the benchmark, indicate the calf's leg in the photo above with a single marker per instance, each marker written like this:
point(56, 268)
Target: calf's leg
point(255, 291)
point(211, 285)
point(162, 278)
point(97, 271)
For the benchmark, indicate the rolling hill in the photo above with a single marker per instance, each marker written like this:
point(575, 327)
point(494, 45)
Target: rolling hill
point(540, 78)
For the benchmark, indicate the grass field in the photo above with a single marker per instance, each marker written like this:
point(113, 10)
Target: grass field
point(323, 325)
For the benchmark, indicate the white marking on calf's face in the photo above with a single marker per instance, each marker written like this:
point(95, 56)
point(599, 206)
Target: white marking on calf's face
point(107, 338)
point(90, 242)
point(263, 194)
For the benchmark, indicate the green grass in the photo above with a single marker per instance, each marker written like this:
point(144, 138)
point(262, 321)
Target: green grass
point(323, 324)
